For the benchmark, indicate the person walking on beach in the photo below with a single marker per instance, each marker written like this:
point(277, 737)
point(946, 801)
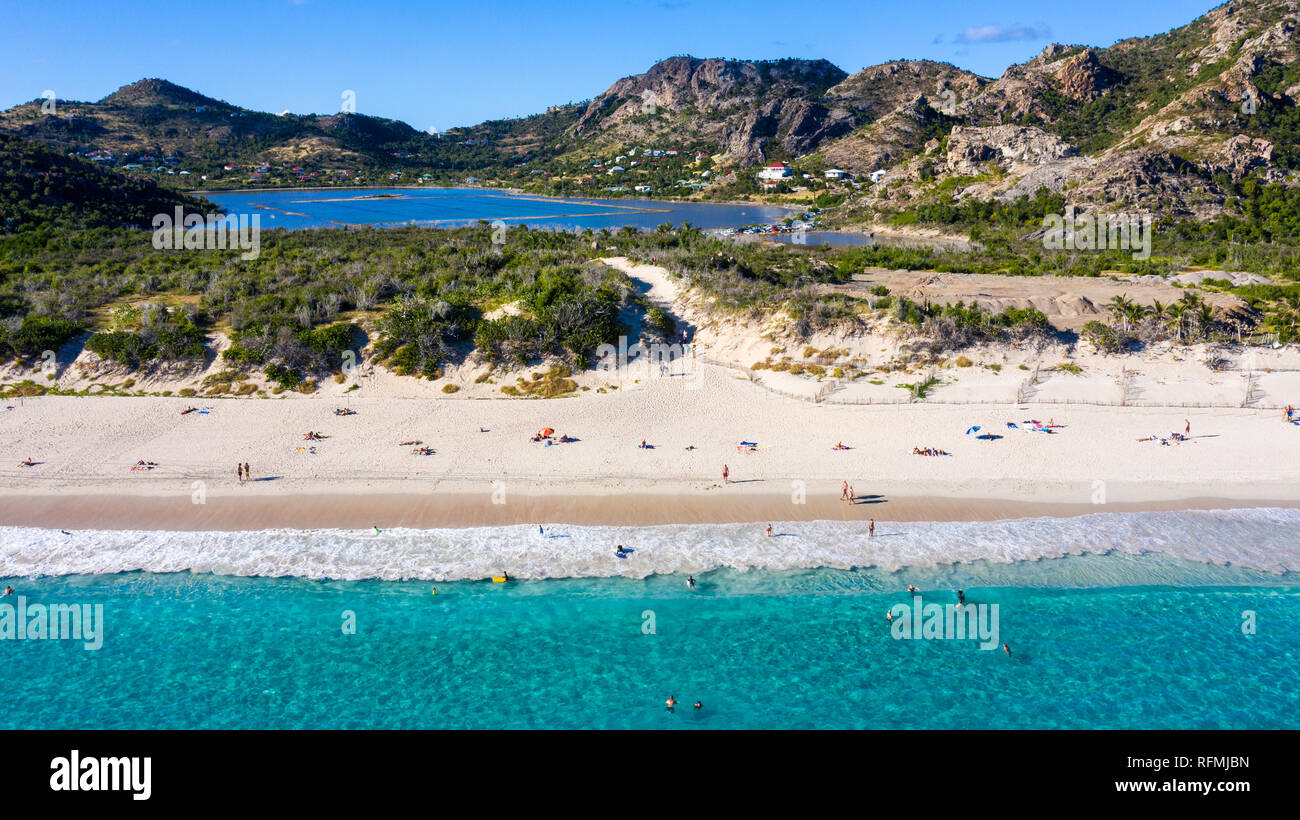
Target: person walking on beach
point(844, 490)
point(871, 528)
point(853, 495)
point(248, 474)
point(726, 475)
point(1187, 431)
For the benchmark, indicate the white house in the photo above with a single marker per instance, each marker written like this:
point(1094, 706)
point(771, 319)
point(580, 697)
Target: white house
point(775, 171)
point(836, 173)
point(876, 176)
point(617, 169)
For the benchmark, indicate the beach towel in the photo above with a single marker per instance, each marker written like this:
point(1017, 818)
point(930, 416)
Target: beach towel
point(749, 444)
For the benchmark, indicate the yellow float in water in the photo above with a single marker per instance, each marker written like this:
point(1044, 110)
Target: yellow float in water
point(498, 579)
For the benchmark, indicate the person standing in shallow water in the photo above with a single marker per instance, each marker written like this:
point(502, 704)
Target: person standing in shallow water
point(871, 528)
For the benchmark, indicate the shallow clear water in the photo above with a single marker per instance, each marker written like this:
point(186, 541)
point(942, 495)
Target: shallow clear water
point(450, 207)
point(1097, 641)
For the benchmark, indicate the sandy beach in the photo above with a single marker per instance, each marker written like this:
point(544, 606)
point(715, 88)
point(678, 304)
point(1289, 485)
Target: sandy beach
point(485, 469)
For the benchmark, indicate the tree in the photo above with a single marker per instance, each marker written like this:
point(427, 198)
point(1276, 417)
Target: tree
point(1120, 307)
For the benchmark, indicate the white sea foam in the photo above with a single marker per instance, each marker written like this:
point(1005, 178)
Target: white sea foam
point(1266, 539)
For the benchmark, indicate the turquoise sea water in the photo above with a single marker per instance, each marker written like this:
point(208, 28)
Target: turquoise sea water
point(1122, 641)
point(449, 207)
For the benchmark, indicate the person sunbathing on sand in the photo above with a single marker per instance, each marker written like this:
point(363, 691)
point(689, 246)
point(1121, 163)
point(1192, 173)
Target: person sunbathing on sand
point(27, 463)
point(410, 443)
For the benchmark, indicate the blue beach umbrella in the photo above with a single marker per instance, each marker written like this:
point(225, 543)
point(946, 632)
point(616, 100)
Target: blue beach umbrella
point(974, 429)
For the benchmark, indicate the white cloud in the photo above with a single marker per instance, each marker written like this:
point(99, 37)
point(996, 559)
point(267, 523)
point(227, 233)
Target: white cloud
point(1003, 34)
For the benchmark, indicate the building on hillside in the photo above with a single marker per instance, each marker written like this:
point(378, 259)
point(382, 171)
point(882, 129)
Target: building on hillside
point(876, 176)
point(836, 173)
point(775, 172)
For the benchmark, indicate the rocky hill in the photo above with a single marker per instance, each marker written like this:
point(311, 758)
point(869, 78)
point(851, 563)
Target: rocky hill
point(152, 120)
point(1161, 123)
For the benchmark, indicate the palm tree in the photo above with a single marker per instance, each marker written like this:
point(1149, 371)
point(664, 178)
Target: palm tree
point(1205, 319)
point(1175, 314)
point(1134, 314)
point(1119, 308)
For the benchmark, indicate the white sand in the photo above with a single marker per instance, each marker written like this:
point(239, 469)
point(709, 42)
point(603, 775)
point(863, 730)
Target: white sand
point(89, 444)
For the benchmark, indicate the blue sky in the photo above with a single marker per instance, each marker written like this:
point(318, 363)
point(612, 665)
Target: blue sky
point(442, 64)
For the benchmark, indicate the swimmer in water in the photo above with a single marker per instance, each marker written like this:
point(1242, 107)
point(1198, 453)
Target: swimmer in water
point(671, 704)
point(961, 598)
point(690, 581)
point(889, 616)
point(912, 588)
point(9, 590)
point(1006, 649)
point(698, 705)
point(376, 531)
